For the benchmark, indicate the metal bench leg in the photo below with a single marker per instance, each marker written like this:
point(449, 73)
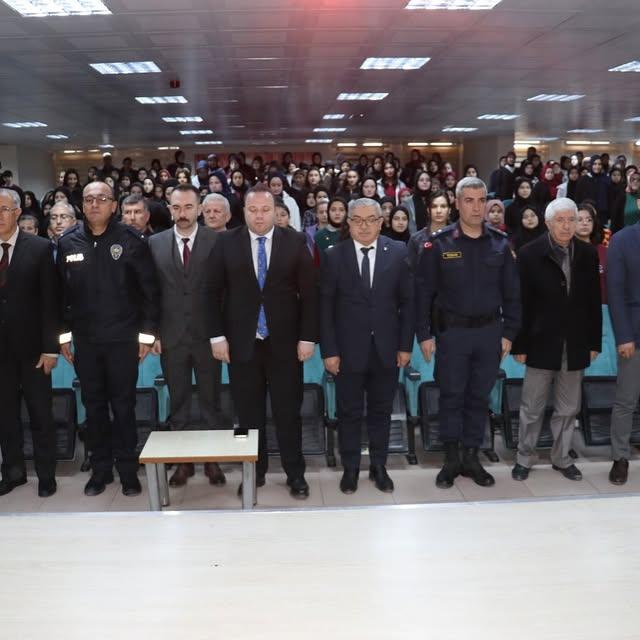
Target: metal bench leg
point(152, 484)
point(331, 445)
point(411, 442)
point(248, 485)
point(163, 484)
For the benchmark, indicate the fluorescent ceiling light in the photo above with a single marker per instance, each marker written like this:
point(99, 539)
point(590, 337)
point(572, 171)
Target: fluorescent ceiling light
point(585, 130)
point(123, 68)
point(637, 143)
point(441, 144)
point(636, 119)
point(523, 143)
point(588, 142)
point(237, 126)
point(162, 100)
point(459, 129)
point(556, 97)
point(417, 144)
point(498, 116)
point(106, 146)
point(182, 119)
point(634, 65)
point(362, 96)
point(93, 151)
point(319, 140)
point(347, 144)
point(372, 144)
point(57, 136)
point(329, 129)
point(207, 142)
point(73, 151)
point(472, 5)
point(333, 116)
point(273, 86)
point(40, 8)
point(24, 125)
point(406, 64)
point(195, 132)
point(168, 148)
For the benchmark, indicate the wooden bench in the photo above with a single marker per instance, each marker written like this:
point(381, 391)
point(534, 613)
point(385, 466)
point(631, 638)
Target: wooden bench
point(164, 447)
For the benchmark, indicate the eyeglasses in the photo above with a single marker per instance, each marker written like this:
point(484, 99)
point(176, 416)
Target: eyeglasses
point(61, 216)
point(99, 199)
point(5, 210)
point(362, 221)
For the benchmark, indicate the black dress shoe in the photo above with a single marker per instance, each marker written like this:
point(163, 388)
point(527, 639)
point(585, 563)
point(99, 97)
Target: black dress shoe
point(349, 482)
point(298, 488)
point(571, 472)
point(6, 486)
point(97, 484)
point(260, 480)
point(47, 487)
point(619, 471)
point(520, 472)
point(379, 475)
point(130, 486)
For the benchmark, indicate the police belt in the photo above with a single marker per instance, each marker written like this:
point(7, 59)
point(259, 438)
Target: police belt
point(449, 320)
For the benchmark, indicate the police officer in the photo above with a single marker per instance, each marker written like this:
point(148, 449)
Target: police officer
point(469, 270)
point(111, 308)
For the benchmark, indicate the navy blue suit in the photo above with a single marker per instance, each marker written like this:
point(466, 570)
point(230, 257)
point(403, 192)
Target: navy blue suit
point(366, 327)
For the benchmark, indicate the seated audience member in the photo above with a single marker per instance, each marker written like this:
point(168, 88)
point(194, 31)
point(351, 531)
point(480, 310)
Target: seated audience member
point(531, 226)
point(135, 213)
point(561, 334)
point(588, 230)
point(28, 223)
point(331, 234)
point(399, 225)
point(494, 214)
point(216, 212)
point(283, 216)
point(626, 210)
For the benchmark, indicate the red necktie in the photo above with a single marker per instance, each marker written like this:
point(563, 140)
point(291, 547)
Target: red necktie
point(186, 253)
point(4, 263)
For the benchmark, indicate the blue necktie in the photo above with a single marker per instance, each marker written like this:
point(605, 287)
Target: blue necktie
point(263, 331)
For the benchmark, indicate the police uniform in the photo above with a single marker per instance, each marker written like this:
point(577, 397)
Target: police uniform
point(110, 304)
point(474, 284)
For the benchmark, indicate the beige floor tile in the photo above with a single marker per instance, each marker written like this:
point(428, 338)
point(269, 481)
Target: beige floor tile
point(597, 473)
point(199, 494)
point(416, 485)
point(23, 499)
point(366, 494)
point(505, 487)
point(275, 492)
point(544, 482)
point(70, 496)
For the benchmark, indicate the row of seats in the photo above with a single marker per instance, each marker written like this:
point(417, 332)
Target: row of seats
point(415, 405)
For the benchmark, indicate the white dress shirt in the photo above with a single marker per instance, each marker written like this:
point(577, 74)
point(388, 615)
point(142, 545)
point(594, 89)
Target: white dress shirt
point(360, 257)
point(192, 239)
point(12, 243)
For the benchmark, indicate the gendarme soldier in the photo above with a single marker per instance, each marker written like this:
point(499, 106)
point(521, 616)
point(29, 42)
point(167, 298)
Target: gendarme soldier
point(111, 309)
point(468, 302)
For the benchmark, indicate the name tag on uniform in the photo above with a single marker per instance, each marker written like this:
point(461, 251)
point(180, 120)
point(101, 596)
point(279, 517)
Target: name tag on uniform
point(74, 257)
point(451, 255)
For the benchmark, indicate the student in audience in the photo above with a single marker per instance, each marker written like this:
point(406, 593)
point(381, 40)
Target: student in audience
point(494, 215)
point(418, 203)
point(399, 225)
point(523, 198)
point(216, 212)
point(568, 189)
point(28, 223)
point(594, 186)
point(588, 230)
point(71, 182)
point(218, 184)
point(32, 206)
point(330, 235)
point(389, 184)
point(283, 216)
point(321, 221)
point(351, 187)
point(531, 226)
point(369, 188)
point(626, 211)
point(276, 185)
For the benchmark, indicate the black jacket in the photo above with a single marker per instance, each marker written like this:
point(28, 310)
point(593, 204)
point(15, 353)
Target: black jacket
point(550, 317)
point(110, 289)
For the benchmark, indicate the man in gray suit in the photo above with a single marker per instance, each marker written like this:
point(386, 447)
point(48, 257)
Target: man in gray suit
point(183, 259)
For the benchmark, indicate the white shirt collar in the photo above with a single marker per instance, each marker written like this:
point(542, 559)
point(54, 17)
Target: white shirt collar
point(14, 238)
point(365, 246)
point(191, 236)
point(268, 235)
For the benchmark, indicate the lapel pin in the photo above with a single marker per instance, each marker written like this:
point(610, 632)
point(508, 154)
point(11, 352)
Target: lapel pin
point(385, 248)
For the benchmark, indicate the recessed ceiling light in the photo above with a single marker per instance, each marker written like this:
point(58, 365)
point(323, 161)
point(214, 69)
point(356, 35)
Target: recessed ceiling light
point(123, 68)
point(24, 125)
point(472, 5)
point(329, 129)
point(162, 100)
point(182, 119)
point(57, 136)
point(362, 96)
point(347, 144)
point(195, 132)
point(585, 130)
point(637, 143)
point(417, 144)
point(168, 148)
point(636, 119)
point(40, 8)
point(588, 142)
point(459, 129)
point(319, 140)
point(372, 144)
point(201, 142)
point(106, 146)
point(333, 116)
point(441, 144)
point(498, 116)
point(634, 65)
point(405, 64)
point(556, 97)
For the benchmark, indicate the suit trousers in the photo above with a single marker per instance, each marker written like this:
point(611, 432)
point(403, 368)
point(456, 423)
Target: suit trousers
point(108, 373)
point(178, 363)
point(380, 383)
point(281, 374)
point(20, 377)
point(626, 402)
point(566, 399)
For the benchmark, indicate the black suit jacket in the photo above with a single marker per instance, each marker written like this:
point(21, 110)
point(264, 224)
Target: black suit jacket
point(350, 313)
point(30, 313)
point(550, 316)
point(290, 294)
point(186, 297)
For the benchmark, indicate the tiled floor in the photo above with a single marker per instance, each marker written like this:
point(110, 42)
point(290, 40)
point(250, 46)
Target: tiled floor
point(413, 484)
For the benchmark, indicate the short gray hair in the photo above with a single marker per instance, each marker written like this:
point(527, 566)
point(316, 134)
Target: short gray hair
point(135, 199)
point(558, 205)
point(64, 207)
point(10, 193)
point(469, 183)
point(364, 202)
point(217, 197)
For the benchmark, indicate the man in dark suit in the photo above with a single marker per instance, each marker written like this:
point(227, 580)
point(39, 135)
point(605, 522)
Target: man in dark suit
point(367, 327)
point(183, 258)
point(265, 319)
point(29, 327)
point(561, 334)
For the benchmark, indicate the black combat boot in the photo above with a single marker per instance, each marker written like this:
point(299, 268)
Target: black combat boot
point(471, 468)
point(451, 468)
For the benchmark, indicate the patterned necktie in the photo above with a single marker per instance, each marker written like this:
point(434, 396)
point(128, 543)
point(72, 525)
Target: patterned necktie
point(263, 330)
point(365, 271)
point(4, 263)
point(186, 253)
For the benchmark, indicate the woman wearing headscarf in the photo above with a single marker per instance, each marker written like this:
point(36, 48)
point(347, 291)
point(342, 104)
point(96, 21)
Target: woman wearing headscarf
point(532, 226)
point(218, 184)
point(332, 233)
point(276, 184)
point(523, 197)
point(494, 215)
point(568, 189)
point(627, 209)
point(398, 225)
point(418, 203)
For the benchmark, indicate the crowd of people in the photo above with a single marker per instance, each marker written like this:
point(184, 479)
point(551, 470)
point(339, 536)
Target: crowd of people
point(252, 264)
